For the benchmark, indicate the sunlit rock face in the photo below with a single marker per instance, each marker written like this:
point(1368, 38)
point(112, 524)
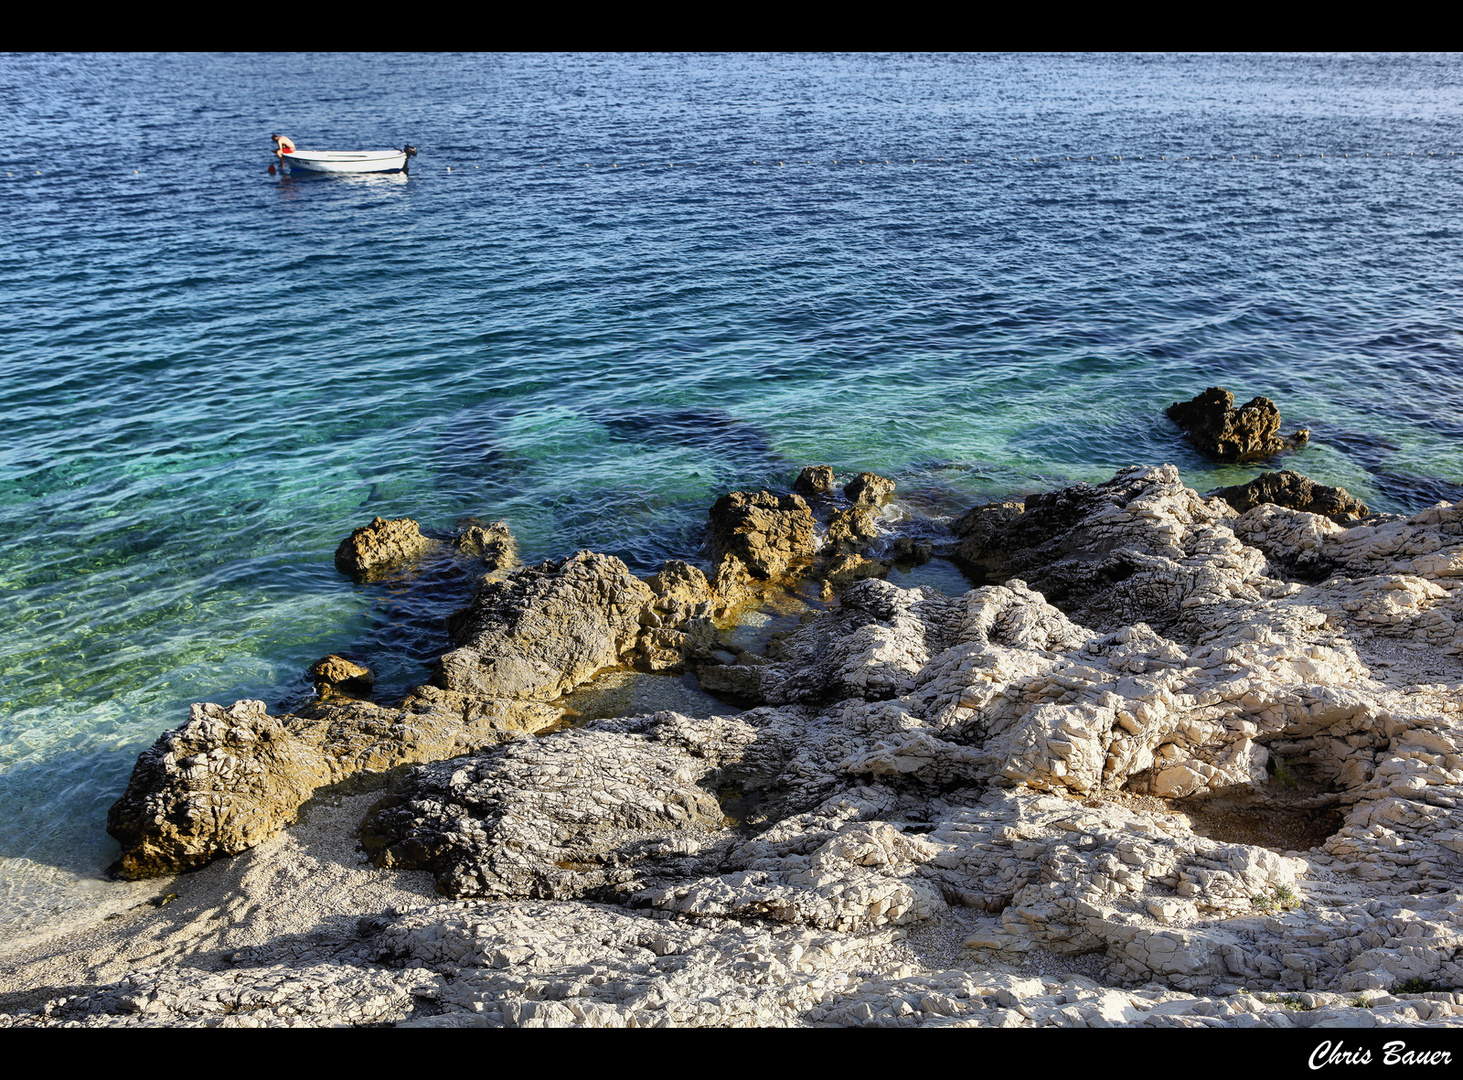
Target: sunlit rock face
point(1203, 749)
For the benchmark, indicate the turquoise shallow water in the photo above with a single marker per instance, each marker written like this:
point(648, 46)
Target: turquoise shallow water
point(615, 287)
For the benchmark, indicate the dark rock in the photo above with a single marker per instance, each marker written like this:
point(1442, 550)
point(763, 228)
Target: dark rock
point(1216, 428)
point(869, 489)
point(814, 480)
point(912, 551)
point(982, 531)
point(373, 551)
point(1291, 489)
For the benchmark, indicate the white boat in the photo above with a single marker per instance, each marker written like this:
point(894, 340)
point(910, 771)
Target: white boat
point(341, 161)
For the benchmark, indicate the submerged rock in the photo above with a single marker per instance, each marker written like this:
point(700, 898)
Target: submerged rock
point(1218, 429)
point(491, 541)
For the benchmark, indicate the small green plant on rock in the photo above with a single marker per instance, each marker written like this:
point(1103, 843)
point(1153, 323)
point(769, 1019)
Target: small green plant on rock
point(1283, 899)
point(1417, 985)
point(1280, 774)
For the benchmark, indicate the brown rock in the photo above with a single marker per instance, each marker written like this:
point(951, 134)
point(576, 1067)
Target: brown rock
point(733, 584)
point(223, 782)
point(1216, 428)
point(844, 570)
point(869, 489)
point(339, 673)
point(681, 593)
point(373, 550)
point(492, 542)
point(1291, 489)
point(768, 533)
point(852, 529)
point(678, 619)
point(814, 480)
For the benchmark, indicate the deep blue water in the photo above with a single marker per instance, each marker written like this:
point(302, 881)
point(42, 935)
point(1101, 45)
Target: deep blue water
point(613, 288)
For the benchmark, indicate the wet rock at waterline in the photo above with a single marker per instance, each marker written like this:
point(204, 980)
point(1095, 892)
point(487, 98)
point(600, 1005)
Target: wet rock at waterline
point(843, 570)
point(755, 540)
point(869, 489)
point(218, 786)
point(372, 551)
point(545, 629)
point(768, 533)
point(911, 550)
point(1291, 489)
point(851, 530)
point(814, 480)
point(490, 541)
point(341, 675)
point(1219, 430)
point(978, 530)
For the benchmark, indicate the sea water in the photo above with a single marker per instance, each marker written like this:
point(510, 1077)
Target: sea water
point(615, 287)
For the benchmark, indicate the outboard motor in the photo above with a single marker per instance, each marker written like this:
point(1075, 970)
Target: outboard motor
point(410, 152)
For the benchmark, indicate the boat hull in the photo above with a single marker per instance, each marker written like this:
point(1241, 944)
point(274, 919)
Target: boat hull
point(344, 161)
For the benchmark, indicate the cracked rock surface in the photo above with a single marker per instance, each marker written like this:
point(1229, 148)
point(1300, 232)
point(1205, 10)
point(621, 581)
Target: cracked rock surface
point(1172, 765)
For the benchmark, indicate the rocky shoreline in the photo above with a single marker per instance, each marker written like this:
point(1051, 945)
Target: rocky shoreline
point(1177, 761)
